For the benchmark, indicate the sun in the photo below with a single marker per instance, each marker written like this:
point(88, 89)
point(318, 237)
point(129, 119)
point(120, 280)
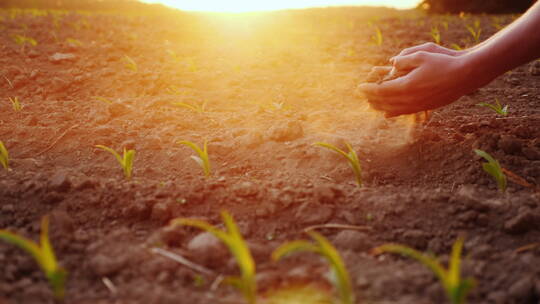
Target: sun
point(239, 6)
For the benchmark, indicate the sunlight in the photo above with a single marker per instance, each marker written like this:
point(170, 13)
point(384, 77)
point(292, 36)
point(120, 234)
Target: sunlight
point(237, 6)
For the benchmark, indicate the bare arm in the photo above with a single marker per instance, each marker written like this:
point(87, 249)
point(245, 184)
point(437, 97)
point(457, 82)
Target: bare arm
point(440, 76)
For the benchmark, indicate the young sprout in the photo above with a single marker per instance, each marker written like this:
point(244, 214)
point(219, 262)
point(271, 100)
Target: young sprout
point(202, 155)
point(43, 254)
point(174, 90)
point(22, 40)
point(377, 38)
point(130, 63)
point(4, 156)
point(350, 156)
point(324, 248)
point(126, 160)
point(299, 293)
point(454, 285)
point(194, 107)
point(475, 30)
point(103, 99)
point(456, 47)
point(15, 104)
point(73, 42)
point(8, 81)
point(493, 168)
point(436, 35)
point(497, 107)
point(232, 238)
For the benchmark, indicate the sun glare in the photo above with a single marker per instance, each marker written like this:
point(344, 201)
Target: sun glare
point(238, 6)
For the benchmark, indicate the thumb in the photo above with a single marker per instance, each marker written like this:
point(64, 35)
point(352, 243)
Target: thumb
point(409, 62)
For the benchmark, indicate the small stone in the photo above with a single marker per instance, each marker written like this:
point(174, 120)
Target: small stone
point(525, 220)
point(293, 130)
point(103, 265)
point(245, 189)
point(353, 240)
point(416, 238)
point(60, 182)
point(206, 248)
point(161, 212)
point(522, 290)
point(310, 213)
point(59, 57)
point(534, 68)
point(117, 109)
point(509, 144)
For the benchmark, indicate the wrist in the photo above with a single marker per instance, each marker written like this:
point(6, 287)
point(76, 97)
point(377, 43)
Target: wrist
point(477, 68)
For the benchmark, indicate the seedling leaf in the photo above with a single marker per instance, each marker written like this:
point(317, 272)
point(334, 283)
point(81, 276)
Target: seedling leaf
point(43, 254)
point(493, 168)
point(130, 63)
point(324, 248)
point(126, 160)
point(497, 107)
point(351, 156)
point(232, 238)
point(456, 288)
point(4, 156)
point(202, 159)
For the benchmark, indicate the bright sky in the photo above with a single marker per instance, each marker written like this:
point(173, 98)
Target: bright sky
point(265, 5)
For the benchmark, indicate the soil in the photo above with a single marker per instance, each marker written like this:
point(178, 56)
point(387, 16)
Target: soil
point(273, 84)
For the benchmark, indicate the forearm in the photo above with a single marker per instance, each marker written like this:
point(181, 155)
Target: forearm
point(517, 44)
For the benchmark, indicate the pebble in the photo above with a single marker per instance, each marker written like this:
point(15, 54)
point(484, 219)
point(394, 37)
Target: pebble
point(353, 240)
point(291, 131)
point(509, 144)
point(310, 213)
point(103, 265)
point(60, 57)
point(245, 189)
point(207, 249)
point(524, 221)
point(60, 182)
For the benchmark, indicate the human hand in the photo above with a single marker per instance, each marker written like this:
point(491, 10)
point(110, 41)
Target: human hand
point(430, 47)
point(432, 80)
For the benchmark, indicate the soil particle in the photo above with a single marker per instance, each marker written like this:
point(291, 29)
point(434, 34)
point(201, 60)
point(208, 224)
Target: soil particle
point(207, 249)
point(534, 68)
point(524, 221)
point(327, 194)
point(311, 213)
point(245, 189)
point(416, 238)
point(117, 109)
point(105, 265)
point(522, 290)
point(52, 198)
point(510, 144)
point(60, 182)
point(161, 212)
point(60, 57)
point(353, 240)
point(291, 131)
point(137, 210)
point(531, 153)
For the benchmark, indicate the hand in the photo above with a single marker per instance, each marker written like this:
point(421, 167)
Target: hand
point(429, 47)
point(434, 80)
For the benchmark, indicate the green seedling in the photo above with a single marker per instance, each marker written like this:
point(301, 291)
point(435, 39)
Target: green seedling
point(436, 35)
point(296, 294)
point(15, 104)
point(9, 82)
point(202, 156)
point(493, 168)
point(455, 286)
point(350, 156)
point(456, 47)
point(22, 40)
point(377, 38)
point(194, 107)
point(475, 30)
point(174, 90)
point(497, 107)
point(324, 248)
point(130, 63)
point(4, 156)
point(232, 238)
point(103, 99)
point(126, 160)
point(73, 42)
point(43, 254)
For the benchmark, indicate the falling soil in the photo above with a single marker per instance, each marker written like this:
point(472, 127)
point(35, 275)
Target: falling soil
point(272, 84)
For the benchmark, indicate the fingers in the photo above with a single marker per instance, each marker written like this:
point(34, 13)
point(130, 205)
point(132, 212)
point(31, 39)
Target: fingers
point(427, 47)
point(396, 86)
point(409, 62)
